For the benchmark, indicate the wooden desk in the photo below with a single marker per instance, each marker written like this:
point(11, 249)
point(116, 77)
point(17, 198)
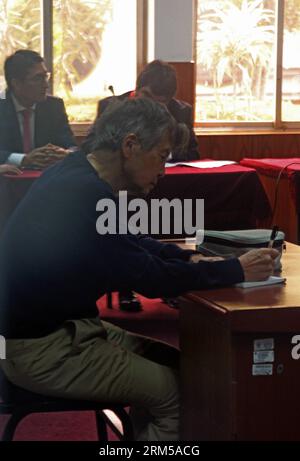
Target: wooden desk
point(221, 399)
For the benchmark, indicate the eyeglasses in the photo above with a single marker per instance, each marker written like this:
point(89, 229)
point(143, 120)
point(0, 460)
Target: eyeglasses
point(40, 78)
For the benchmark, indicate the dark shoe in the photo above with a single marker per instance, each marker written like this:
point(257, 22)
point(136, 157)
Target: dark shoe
point(171, 302)
point(129, 302)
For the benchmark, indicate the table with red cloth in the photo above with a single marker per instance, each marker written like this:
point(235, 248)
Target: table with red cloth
point(233, 195)
point(287, 206)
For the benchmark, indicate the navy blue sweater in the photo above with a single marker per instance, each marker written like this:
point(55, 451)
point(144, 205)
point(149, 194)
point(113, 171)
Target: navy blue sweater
point(54, 265)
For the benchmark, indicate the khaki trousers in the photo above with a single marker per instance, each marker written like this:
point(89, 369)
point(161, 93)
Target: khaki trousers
point(94, 360)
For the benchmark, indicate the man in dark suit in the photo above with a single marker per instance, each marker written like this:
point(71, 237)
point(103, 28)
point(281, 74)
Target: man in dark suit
point(34, 128)
point(158, 81)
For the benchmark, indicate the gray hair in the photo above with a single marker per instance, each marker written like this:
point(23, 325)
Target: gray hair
point(145, 118)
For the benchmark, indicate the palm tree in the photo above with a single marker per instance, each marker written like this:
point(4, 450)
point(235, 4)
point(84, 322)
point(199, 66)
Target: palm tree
point(78, 28)
point(18, 29)
point(236, 39)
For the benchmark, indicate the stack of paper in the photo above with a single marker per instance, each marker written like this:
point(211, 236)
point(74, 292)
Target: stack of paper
point(202, 164)
point(270, 281)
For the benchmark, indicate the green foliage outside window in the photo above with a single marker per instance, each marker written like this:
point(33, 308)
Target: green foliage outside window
point(78, 27)
point(236, 44)
point(236, 40)
point(292, 15)
point(77, 40)
point(20, 27)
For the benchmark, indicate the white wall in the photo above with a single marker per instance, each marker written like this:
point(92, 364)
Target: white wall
point(173, 30)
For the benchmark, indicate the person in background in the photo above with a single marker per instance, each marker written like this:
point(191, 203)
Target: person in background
point(56, 262)
point(157, 81)
point(34, 128)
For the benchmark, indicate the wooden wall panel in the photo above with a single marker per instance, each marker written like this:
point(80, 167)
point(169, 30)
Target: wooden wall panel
point(185, 81)
point(80, 139)
point(236, 146)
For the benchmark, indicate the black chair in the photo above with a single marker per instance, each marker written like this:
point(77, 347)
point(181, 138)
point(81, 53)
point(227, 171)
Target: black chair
point(19, 403)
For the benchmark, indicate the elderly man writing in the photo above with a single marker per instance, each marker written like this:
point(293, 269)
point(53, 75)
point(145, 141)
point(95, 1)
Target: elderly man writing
point(55, 265)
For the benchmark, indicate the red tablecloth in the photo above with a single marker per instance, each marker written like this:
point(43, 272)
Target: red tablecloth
point(287, 167)
point(273, 166)
point(181, 170)
point(234, 197)
point(26, 174)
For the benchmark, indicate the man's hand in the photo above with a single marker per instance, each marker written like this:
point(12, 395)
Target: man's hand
point(258, 264)
point(51, 149)
point(10, 169)
point(198, 257)
point(44, 156)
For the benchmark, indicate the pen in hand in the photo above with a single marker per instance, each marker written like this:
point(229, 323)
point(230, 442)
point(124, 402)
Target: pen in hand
point(273, 236)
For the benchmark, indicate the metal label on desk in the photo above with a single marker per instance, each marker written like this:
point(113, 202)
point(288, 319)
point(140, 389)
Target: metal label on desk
point(262, 370)
point(263, 356)
point(265, 344)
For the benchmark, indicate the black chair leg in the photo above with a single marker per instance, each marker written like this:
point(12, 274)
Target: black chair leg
point(109, 300)
point(11, 426)
point(126, 424)
point(101, 426)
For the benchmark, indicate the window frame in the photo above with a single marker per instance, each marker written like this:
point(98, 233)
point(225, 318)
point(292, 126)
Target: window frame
point(278, 125)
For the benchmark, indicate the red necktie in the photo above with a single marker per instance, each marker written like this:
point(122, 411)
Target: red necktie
point(27, 144)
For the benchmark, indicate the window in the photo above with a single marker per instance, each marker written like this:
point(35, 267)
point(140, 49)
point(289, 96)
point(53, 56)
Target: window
point(242, 45)
point(15, 24)
point(93, 46)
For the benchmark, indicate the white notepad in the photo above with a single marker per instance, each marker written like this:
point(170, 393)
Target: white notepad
point(270, 281)
point(202, 164)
